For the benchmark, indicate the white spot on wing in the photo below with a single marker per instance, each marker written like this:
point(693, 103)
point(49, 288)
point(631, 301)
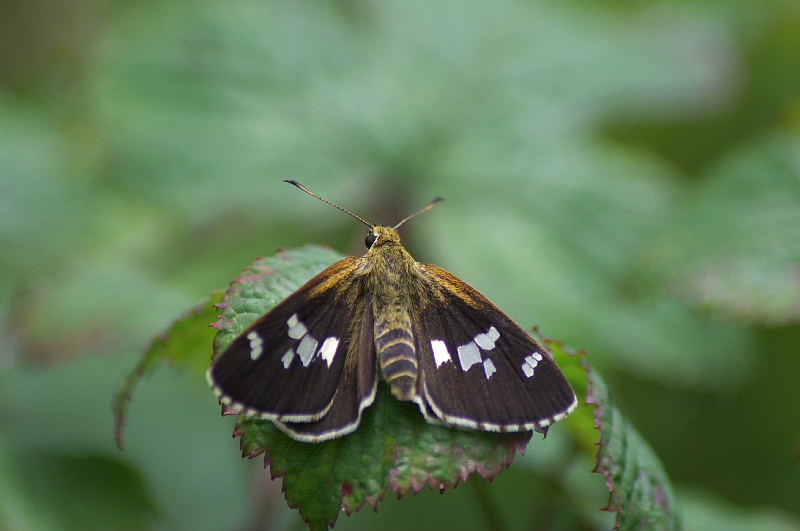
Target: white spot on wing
point(468, 355)
point(488, 368)
point(296, 328)
point(440, 352)
point(256, 344)
point(529, 363)
point(487, 339)
point(306, 349)
point(328, 349)
point(256, 352)
point(287, 358)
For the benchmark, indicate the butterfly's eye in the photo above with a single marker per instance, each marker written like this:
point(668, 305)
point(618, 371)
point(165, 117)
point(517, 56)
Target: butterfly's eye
point(370, 239)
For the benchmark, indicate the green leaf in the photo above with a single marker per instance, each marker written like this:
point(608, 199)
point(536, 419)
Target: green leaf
point(393, 448)
point(734, 246)
point(185, 342)
point(573, 365)
point(54, 490)
point(640, 491)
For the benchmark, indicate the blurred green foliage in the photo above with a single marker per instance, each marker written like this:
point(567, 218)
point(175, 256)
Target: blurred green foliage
point(624, 175)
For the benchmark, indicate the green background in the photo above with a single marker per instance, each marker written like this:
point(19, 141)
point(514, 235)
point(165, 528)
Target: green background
point(625, 175)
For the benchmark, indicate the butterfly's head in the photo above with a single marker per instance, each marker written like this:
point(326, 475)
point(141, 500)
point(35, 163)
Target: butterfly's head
point(378, 236)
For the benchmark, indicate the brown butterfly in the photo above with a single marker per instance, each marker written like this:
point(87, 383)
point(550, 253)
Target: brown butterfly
point(311, 364)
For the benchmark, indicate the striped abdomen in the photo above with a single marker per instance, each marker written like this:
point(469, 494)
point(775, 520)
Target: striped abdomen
point(394, 345)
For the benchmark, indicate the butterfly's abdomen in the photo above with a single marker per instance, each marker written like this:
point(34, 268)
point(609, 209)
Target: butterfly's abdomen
point(394, 345)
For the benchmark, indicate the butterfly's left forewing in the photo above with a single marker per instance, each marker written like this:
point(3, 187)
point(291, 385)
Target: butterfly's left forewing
point(291, 364)
point(479, 369)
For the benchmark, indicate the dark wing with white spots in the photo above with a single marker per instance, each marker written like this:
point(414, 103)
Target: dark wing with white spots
point(479, 369)
point(356, 391)
point(289, 364)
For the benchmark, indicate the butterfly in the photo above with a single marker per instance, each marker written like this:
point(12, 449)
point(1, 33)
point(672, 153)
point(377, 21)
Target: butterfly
point(312, 364)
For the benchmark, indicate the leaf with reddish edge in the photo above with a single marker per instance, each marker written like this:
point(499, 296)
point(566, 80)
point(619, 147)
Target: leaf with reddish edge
point(441, 457)
point(639, 490)
point(184, 343)
point(572, 363)
point(393, 448)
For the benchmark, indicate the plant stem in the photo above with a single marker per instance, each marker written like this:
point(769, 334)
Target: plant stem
point(487, 503)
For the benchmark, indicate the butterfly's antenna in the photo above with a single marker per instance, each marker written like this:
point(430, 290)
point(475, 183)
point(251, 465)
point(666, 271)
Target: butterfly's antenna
point(309, 192)
point(421, 210)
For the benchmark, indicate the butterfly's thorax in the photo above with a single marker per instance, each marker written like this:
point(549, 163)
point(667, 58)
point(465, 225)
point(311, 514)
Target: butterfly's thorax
point(392, 281)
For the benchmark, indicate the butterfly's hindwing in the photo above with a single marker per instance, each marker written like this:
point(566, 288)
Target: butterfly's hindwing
point(478, 368)
point(288, 365)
